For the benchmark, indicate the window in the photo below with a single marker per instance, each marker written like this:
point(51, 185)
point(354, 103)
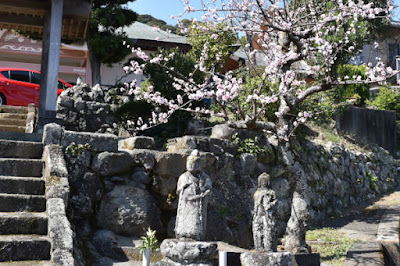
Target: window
point(35, 77)
point(61, 85)
point(6, 74)
point(20, 75)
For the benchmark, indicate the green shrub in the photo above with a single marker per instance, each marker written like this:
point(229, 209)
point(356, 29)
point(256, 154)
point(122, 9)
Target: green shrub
point(343, 92)
point(387, 99)
point(321, 105)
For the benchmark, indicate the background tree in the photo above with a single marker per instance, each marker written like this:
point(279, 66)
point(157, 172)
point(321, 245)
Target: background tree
point(211, 43)
point(152, 21)
point(108, 44)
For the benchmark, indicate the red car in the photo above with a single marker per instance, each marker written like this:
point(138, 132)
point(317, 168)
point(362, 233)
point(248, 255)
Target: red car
point(20, 87)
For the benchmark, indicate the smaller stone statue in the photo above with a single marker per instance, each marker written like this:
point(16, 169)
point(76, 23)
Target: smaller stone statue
point(264, 220)
point(193, 188)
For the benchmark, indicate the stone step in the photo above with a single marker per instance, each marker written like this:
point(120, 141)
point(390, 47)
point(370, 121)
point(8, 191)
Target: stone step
point(22, 185)
point(12, 122)
point(13, 116)
point(21, 167)
point(26, 263)
point(13, 109)
point(24, 247)
point(16, 223)
point(22, 203)
point(21, 136)
point(20, 149)
point(12, 128)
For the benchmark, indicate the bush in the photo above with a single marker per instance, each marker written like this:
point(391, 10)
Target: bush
point(387, 99)
point(343, 92)
point(321, 105)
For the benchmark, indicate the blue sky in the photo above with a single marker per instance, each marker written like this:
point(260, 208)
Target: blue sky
point(163, 9)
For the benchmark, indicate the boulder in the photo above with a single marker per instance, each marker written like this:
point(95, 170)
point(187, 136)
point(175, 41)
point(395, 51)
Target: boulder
point(128, 211)
point(90, 185)
point(106, 244)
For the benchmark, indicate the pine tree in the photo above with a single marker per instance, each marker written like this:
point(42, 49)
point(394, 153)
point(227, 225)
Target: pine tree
point(105, 38)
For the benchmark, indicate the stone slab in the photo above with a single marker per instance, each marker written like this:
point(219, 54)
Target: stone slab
point(97, 142)
point(364, 254)
point(189, 252)
point(267, 258)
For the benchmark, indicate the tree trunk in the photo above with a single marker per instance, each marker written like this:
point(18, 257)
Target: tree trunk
point(95, 65)
point(297, 225)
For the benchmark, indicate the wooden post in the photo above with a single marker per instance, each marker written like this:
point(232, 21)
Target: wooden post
point(50, 63)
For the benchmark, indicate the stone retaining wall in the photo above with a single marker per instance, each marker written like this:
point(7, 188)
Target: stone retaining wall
point(122, 192)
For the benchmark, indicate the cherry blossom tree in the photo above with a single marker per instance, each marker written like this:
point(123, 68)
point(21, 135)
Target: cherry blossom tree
point(290, 39)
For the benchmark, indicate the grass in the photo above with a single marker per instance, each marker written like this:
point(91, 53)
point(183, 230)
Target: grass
point(330, 243)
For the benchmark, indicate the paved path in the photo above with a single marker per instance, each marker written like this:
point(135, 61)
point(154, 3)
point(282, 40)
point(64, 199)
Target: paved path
point(370, 225)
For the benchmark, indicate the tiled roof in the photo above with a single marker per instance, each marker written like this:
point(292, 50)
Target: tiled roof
point(140, 31)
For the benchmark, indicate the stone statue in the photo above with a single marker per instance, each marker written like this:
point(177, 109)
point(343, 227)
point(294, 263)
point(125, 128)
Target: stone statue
point(264, 221)
point(193, 189)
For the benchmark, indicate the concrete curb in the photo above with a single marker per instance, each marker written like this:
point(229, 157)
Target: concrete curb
point(388, 229)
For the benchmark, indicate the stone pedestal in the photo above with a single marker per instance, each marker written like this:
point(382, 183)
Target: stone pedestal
point(193, 253)
point(266, 258)
point(306, 259)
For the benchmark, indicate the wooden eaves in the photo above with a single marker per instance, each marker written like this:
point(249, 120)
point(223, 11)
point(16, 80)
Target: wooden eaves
point(27, 16)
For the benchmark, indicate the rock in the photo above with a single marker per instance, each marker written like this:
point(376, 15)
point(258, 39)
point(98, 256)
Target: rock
point(90, 185)
point(170, 164)
point(136, 143)
point(248, 163)
point(81, 206)
point(164, 186)
point(107, 163)
point(171, 227)
point(145, 158)
point(220, 146)
point(97, 142)
point(106, 244)
point(222, 131)
point(140, 176)
point(189, 251)
point(128, 211)
point(269, 258)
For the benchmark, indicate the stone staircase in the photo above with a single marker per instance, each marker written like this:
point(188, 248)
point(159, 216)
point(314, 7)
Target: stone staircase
point(23, 218)
point(17, 118)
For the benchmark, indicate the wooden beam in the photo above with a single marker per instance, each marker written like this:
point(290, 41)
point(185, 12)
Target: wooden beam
point(50, 64)
point(20, 19)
